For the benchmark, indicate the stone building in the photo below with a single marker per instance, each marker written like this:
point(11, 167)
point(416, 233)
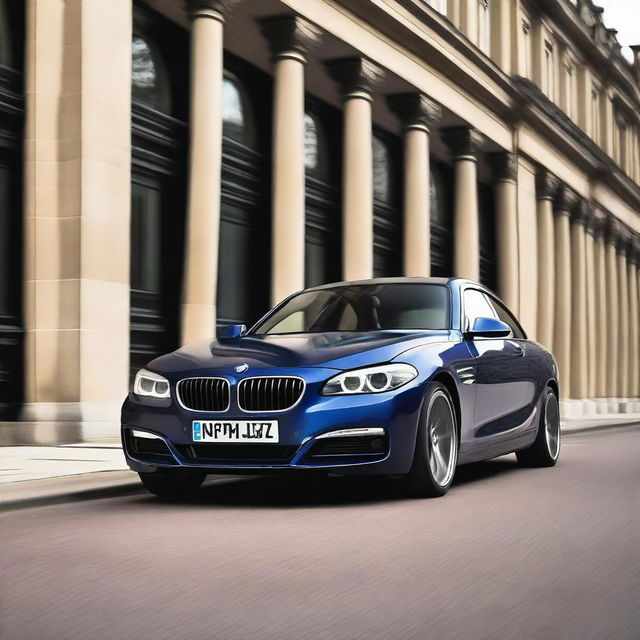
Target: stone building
point(165, 165)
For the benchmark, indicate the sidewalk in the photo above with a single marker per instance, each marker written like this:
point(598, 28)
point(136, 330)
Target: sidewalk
point(37, 475)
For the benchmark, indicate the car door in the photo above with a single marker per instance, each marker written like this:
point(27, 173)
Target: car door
point(504, 393)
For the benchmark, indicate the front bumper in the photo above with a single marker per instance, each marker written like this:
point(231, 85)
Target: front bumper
point(393, 415)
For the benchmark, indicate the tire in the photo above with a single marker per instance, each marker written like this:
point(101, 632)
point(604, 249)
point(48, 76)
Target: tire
point(173, 484)
point(545, 449)
point(436, 453)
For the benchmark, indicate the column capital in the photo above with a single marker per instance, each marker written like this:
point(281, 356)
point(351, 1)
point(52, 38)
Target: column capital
point(546, 185)
point(582, 211)
point(596, 223)
point(612, 230)
point(504, 165)
point(415, 110)
point(290, 36)
point(634, 255)
point(463, 142)
point(565, 201)
point(358, 77)
point(216, 9)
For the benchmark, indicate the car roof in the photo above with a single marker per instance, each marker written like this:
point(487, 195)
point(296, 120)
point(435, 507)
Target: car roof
point(375, 281)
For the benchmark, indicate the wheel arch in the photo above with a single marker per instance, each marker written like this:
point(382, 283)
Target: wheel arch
point(553, 383)
point(447, 380)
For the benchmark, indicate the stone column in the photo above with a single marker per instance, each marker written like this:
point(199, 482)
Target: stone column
point(602, 332)
point(358, 78)
point(546, 188)
point(505, 169)
point(579, 342)
point(464, 144)
point(418, 115)
point(200, 279)
point(77, 180)
point(564, 204)
point(501, 29)
point(634, 322)
point(290, 38)
point(623, 317)
point(592, 335)
point(612, 309)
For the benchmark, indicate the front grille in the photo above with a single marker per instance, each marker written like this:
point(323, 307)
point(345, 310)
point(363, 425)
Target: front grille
point(269, 394)
point(204, 394)
point(345, 446)
point(237, 453)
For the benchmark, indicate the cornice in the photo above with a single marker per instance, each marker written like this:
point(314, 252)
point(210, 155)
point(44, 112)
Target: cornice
point(548, 119)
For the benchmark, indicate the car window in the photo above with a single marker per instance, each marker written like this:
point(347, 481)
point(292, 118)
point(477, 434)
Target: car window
point(476, 305)
point(368, 307)
point(507, 317)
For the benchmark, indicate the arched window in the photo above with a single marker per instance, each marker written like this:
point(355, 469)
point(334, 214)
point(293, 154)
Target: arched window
point(237, 117)
point(6, 59)
point(382, 178)
point(149, 78)
point(315, 148)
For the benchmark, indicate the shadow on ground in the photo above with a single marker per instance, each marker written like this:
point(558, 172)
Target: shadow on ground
point(306, 490)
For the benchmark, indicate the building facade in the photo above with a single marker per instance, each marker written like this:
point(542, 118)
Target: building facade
point(169, 166)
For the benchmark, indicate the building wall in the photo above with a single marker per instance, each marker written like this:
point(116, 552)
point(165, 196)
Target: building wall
point(139, 207)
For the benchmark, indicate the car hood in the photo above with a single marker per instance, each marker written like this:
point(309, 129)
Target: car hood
point(335, 350)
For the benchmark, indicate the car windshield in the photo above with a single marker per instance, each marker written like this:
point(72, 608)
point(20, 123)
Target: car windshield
point(367, 307)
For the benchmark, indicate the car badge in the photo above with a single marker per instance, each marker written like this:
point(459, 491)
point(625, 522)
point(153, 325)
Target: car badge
point(241, 368)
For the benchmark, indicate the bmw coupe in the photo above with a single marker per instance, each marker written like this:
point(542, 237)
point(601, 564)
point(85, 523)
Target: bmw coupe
point(406, 377)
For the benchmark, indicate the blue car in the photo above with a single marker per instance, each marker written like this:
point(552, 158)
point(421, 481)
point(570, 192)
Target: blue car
point(403, 377)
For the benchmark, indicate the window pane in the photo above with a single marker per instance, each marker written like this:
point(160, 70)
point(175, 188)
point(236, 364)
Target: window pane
point(234, 272)
point(362, 308)
point(6, 59)
point(310, 142)
point(315, 264)
point(149, 79)
point(146, 220)
point(5, 212)
point(476, 305)
point(505, 315)
point(237, 122)
point(381, 171)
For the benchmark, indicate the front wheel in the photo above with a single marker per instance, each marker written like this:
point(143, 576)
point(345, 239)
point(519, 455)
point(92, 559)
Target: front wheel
point(545, 449)
point(173, 484)
point(436, 454)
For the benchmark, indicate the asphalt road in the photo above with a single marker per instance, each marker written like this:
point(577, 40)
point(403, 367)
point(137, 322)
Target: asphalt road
point(508, 553)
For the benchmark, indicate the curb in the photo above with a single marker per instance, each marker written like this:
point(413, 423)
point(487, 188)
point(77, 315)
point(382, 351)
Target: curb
point(600, 426)
point(49, 491)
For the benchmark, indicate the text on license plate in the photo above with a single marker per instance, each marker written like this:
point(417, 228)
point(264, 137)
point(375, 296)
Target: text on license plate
point(236, 431)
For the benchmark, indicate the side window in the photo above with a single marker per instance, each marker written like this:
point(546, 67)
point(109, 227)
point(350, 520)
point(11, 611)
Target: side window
point(476, 305)
point(507, 317)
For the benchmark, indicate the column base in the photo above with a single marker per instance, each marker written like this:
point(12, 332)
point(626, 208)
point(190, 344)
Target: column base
point(599, 407)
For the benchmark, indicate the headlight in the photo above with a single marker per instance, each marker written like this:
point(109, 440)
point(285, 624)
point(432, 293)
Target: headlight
point(385, 377)
point(150, 384)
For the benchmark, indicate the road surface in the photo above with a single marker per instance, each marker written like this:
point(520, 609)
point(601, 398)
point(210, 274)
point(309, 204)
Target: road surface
point(508, 553)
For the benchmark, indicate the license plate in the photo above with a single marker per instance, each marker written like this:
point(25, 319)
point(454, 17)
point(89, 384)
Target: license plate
point(235, 431)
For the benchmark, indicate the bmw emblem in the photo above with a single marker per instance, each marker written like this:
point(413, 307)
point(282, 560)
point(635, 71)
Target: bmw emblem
point(241, 368)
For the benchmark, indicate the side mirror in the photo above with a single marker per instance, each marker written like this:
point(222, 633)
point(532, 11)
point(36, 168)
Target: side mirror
point(489, 328)
point(231, 331)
